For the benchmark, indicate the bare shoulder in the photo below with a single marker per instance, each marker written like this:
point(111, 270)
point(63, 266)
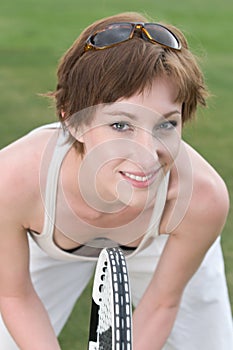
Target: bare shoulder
point(197, 195)
point(20, 171)
point(195, 213)
point(208, 186)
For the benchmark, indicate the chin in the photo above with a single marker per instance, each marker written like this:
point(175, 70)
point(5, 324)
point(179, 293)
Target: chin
point(139, 201)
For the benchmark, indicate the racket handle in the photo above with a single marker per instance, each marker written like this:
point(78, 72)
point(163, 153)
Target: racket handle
point(92, 346)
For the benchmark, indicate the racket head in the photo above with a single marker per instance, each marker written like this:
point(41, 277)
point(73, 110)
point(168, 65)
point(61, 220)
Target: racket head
point(111, 314)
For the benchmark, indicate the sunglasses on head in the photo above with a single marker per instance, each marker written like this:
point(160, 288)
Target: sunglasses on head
point(117, 33)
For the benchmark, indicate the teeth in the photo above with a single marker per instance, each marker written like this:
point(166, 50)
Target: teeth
point(138, 178)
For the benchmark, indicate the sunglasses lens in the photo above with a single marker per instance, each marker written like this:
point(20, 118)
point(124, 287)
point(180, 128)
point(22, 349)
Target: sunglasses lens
point(116, 33)
point(162, 35)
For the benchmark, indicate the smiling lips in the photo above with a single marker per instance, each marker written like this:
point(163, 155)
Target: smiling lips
point(139, 180)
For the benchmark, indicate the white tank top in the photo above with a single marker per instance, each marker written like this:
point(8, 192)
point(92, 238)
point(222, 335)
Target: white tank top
point(45, 239)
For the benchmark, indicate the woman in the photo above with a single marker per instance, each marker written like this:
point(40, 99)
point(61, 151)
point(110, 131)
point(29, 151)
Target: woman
point(115, 171)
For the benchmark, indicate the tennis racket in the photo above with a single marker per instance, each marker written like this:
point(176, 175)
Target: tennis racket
point(110, 323)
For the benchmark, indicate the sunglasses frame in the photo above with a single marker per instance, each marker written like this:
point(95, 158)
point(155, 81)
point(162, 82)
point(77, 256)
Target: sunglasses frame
point(134, 26)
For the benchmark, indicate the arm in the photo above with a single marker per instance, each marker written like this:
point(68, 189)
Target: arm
point(185, 249)
point(21, 309)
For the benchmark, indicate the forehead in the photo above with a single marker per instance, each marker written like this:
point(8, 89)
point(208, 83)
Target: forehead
point(157, 101)
point(160, 97)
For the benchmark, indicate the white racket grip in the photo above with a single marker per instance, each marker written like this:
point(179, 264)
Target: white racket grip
point(96, 294)
point(92, 346)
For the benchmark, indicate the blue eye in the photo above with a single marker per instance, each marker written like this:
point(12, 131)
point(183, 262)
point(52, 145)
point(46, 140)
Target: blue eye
point(120, 126)
point(168, 125)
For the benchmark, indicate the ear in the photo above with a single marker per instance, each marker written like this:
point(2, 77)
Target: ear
point(63, 113)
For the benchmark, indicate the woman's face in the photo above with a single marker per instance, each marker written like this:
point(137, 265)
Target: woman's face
point(129, 147)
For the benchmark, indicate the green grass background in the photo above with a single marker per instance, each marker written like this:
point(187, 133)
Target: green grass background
point(33, 36)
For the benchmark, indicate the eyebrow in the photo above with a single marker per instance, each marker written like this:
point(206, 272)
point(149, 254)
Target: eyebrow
point(167, 115)
point(134, 117)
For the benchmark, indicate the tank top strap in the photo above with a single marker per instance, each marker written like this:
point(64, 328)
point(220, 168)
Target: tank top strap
point(153, 228)
point(61, 149)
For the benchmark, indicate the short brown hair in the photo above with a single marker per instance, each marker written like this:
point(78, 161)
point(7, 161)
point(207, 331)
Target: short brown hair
point(104, 76)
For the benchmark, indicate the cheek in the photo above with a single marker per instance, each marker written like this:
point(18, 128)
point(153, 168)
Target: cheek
point(106, 173)
point(102, 159)
point(170, 147)
point(99, 139)
point(90, 140)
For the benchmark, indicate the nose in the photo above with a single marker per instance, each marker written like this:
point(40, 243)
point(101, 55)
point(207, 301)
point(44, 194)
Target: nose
point(146, 139)
point(146, 150)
